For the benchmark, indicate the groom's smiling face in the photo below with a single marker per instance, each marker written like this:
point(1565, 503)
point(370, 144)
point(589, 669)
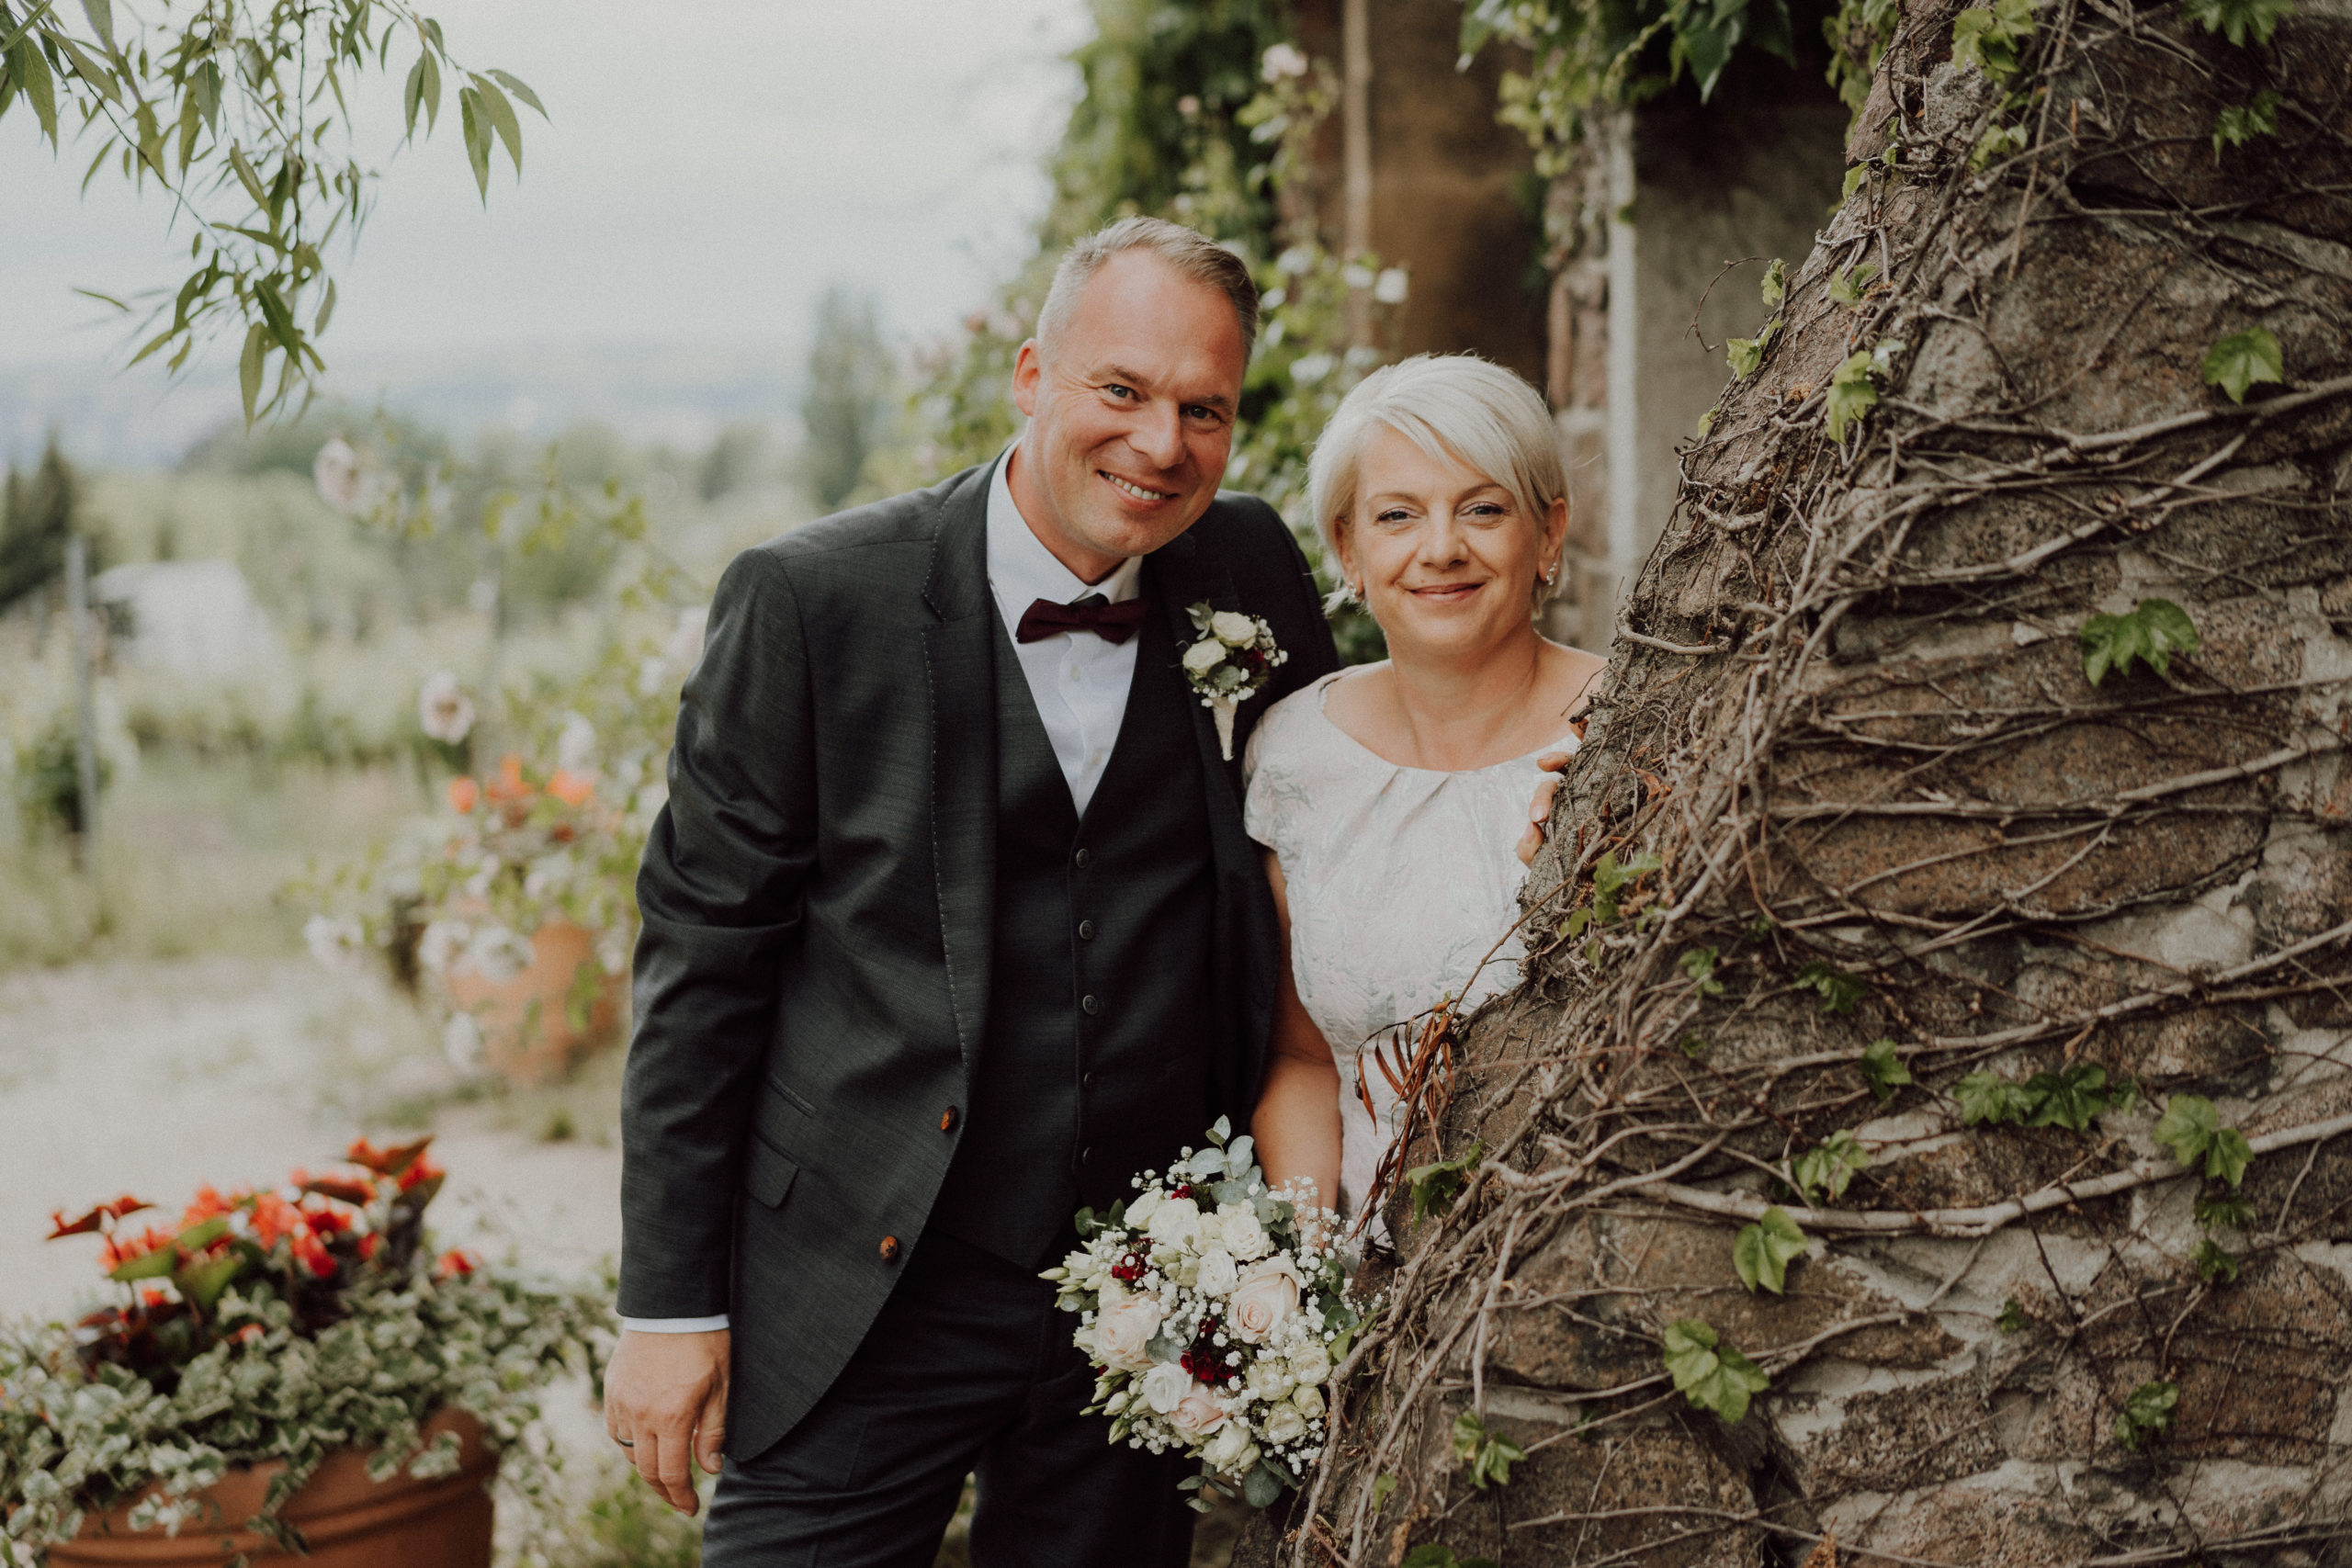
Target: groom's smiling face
point(1130, 413)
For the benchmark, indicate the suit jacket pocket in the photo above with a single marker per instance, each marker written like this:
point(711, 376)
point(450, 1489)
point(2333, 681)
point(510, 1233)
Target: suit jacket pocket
point(767, 1173)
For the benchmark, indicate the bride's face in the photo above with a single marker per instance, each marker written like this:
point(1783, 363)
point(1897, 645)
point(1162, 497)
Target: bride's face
point(1445, 557)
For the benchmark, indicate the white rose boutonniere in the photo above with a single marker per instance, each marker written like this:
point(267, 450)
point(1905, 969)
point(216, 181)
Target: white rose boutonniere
point(1231, 663)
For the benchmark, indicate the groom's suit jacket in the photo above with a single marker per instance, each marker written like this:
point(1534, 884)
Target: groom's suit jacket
point(820, 897)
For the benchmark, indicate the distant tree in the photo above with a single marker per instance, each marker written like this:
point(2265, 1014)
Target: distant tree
point(39, 515)
point(242, 111)
point(733, 460)
point(849, 377)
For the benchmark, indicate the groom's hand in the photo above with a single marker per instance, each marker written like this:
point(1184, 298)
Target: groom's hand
point(665, 1398)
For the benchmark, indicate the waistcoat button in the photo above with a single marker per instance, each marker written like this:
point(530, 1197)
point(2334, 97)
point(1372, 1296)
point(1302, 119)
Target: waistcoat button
point(1083, 859)
point(947, 1120)
point(1089, 1005)
point(890, 1249)
point(1086, 931)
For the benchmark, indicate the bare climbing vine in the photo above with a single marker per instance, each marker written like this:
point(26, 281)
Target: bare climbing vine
point(1925, 1120)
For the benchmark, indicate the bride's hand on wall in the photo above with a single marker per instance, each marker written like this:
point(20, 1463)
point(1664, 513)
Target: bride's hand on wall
point(1539, 811)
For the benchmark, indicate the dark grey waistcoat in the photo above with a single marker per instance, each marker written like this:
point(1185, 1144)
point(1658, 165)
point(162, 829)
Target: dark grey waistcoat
point(1095, 1062)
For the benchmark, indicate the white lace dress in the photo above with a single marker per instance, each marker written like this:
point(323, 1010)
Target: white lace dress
point(1400, 881)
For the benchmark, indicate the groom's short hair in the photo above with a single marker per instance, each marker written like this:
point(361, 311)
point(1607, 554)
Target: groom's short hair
point(1191, 253)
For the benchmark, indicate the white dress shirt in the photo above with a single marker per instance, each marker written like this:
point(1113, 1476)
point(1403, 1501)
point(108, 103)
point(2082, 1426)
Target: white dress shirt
point(1078, 681)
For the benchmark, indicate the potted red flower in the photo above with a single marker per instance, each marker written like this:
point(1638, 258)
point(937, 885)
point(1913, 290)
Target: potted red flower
point(287, 1370)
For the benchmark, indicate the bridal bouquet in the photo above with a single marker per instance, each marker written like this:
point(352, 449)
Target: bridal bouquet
point(1215, 1312)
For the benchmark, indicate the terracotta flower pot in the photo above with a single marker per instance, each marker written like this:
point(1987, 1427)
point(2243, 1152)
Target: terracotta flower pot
point(349, 1521)
point(526, 1033)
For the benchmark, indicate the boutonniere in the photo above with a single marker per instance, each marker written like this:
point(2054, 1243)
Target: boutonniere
point(1232, 663)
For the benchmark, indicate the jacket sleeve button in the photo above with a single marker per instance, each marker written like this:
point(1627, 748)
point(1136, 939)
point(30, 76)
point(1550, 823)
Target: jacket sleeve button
point(947, 1120)
point(890, 1249)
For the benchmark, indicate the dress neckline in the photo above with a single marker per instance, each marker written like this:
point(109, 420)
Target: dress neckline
point(1570, 742)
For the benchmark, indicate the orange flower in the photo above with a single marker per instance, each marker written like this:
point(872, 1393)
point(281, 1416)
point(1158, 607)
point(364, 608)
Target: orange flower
point(463, 795)
point(275, 1219)
point(422, 1170)
point(312, 1254)
point(455, 1264)
point(121, 1249)
point(153, 1297)
point(573, 789)
point(508, 785)
point(209, 1205)
point(367, 1246)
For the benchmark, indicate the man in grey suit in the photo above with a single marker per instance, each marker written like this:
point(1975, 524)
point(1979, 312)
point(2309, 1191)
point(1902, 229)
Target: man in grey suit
point(950, 926)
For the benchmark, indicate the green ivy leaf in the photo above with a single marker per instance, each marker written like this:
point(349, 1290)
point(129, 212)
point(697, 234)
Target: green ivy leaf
point(1829, 1168)
point(2241, 123)
point(2071, 1096)
point(1997, 142)
point(2151, 634)
point(2215, 1264)
point(1435, 1186)
point(1839, 990)
point(2240, 19)
point(1692, 1045)
point(1884, 1070)
point(2240, 360)
point(1488, 1454)
point(1707, 422)
point(2223, 1211)
point(1698, 963)
point(2012, 1319)
point(1848, 286)
point(1762, 1252)
point(2192, 1130)
point(1985, 1098)
point(1850, 395)
point(1853, 182)
point(1709, 1374)
point(1610, 881)
point(1990, 39)
point(1775, 286)
point(2147, 1412)
point(1744, 355)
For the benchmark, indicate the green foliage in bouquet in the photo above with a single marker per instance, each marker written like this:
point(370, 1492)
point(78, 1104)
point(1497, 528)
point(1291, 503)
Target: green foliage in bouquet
point(275, 1324)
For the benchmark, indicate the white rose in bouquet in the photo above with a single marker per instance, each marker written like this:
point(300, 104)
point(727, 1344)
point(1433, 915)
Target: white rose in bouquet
point(1124, 1331)
point(1268, 1379)
point(1139, 1212)
point(1244, 1236)
point(1216, 1273)
point(1175, 1222)
point(1230, 1453)
point(1310, 1363)
point(1308, 1398)
point(1266, 1298)
point(1283, 1426)
point(1232, 629)
point(1198, 1413)
point(1165, 1386)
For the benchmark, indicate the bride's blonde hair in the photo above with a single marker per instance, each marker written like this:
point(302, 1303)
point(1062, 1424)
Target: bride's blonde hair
point(1453, 406)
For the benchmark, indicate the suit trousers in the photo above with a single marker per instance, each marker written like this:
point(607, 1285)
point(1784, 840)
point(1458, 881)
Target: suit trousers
point(968, 1368)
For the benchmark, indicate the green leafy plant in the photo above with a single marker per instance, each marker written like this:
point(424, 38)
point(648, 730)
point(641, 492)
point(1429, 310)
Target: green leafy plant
point(2214, 1263)
point(1850, 287)
point(1991, 40)
point(1851, 394)
point(1744, 354)
point(2223, 1211)
point(1761, 1253)
point(2236, 363)
point(2239, 19)
point(2012, 1318)
point(1829, 1168)
point(1709, 1374)
point(2148, 1411)
point(2151, 634)
point(2068, 1098)
point(1692, 1045)
point(2191, 1129)
point(1436, 1185)
point(1838, 991)
point(1985, 1097)
point(2240, 123)
point(1610, 881)
point(1775, 286)
point(1488, 1454)
point(1698, 963)
point(1882, 1070)
point(1997, 142)
point(1858, 34)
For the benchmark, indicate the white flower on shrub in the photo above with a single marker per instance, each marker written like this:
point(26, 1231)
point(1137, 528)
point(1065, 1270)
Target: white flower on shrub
point(442, 943)
point(443, 710)
point(575, 748)
point(461, 1041)
point(1355, 275)
point(683, 650)
point(1391, 287)
point(335, 941)
point(1309, 368)
point(336, 470)
point(1283, 61)
point(497, 953)
point(613, 949)
point(551, 875)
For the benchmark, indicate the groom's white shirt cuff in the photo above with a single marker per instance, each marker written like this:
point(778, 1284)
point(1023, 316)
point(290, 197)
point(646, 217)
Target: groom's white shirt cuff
point(675, 1325)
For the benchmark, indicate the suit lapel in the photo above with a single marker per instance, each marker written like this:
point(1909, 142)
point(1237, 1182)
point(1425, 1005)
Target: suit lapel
point(959, 656)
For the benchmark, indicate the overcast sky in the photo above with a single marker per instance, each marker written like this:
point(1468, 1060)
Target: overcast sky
point(712, 165)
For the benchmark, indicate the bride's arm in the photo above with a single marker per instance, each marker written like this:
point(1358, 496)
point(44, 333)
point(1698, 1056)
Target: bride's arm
point(1296, 1123)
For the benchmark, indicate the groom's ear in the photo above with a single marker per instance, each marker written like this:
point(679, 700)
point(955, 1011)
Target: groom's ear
point(1027, 370)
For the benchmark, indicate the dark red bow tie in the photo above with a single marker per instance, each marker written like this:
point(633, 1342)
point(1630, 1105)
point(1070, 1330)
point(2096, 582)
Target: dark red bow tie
point(1112, 623)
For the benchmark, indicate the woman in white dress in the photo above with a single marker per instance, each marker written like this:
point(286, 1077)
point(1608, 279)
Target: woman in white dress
point(1393, 799)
